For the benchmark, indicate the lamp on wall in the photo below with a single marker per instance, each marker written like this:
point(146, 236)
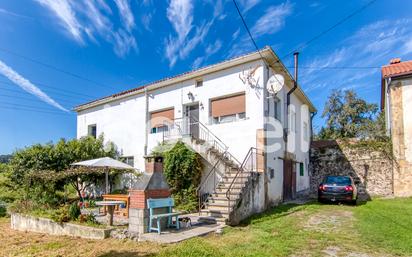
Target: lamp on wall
point(191, 96)
point(201, 105)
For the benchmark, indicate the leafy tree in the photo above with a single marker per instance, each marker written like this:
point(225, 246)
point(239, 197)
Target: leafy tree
point(183, 171)
point(347, 116)
point(38, 159)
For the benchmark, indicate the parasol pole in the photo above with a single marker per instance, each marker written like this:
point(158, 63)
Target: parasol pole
point(107, 179)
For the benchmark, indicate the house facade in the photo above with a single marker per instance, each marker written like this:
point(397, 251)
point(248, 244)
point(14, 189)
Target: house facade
point(396, 102)
point(254, 140)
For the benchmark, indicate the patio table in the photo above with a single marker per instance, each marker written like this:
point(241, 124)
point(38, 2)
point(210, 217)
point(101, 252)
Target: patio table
point(110, 208)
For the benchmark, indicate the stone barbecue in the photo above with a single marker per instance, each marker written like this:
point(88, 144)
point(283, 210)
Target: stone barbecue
point(151, 184)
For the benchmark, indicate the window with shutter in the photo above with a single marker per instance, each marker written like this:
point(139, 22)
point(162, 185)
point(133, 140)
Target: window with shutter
point(228, 109)
point(159, 120)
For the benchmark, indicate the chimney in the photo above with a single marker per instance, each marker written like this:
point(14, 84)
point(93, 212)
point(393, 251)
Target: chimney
point(153, 164)
point(395, 61)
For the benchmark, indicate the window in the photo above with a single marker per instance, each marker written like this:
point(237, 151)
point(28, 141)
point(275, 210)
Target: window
point(159, 120)
point(277, 108)
point(305, 131)
point(292, 121)
point(228, 109)
point(128, 160)
point(92, 130)
point(199, 83)
point(301, 169)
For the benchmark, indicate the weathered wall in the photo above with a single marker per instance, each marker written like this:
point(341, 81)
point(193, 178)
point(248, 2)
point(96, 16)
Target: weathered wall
point(372, 170)
point(42, 225)
point(252, 200)
point(401, 133)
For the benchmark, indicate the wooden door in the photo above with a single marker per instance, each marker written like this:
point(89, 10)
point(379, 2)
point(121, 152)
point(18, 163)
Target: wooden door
point(289, 180)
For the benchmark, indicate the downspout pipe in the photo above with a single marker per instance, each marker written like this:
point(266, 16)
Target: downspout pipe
point(295, 85)
point(295, 82)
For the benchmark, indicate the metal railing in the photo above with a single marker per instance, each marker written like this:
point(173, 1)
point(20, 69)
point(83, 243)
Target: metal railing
point(249, 164)
point(202, 192)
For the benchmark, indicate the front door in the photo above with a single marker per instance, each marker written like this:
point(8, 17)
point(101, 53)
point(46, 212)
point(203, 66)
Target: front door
point(289, 180)
point(192, 117)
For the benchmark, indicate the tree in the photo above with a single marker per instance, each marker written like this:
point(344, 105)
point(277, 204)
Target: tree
point(347, 116)
point(49, 159)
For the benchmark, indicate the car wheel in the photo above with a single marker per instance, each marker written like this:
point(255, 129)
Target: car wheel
point(354, 202)
point(320, 200)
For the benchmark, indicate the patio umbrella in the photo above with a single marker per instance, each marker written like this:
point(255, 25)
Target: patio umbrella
point(106, 163)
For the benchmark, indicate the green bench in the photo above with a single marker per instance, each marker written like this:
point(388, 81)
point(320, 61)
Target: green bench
point(153, 204)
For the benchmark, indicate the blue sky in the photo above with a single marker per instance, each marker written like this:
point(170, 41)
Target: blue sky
point(55, 54)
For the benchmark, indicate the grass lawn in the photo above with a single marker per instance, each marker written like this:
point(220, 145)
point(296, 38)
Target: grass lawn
point(377, 228)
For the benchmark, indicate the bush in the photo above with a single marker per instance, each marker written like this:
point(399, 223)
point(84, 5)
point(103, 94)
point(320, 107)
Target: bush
point(183, 170)
point(186, 200)
point(3, 210)
point(61, 215)
point(88, 218)
point(74, 211)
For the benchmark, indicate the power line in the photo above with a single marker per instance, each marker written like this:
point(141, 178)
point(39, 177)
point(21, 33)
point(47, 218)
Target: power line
point(32, 99)
point(7, 104)
point(340, 22)
point(49, 66)
point(30, 110)
point(52, 87)
point(18, 91)
point(53, 91)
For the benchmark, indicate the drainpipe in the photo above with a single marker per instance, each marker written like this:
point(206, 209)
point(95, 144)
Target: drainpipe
point(146, 134)
point(312, 115)
point(295, 85)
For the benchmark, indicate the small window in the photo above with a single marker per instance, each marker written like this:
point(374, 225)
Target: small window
point(92, 130)
point(277, 109)
point(160, 129)
point(292, 121)
point(305, 131)
point(199, 83)
point(129, 160)
point(301, 169)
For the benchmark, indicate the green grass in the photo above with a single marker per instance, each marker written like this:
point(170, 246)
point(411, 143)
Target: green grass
point(379, 227)
point(387, 224)
point(376, 228)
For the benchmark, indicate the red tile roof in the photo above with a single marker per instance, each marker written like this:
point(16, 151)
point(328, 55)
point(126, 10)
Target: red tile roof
point(397, 68)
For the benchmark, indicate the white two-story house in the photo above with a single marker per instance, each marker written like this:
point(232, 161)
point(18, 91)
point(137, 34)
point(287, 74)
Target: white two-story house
point(245, 116)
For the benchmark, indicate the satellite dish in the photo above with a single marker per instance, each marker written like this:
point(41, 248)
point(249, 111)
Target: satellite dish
point(275, 83)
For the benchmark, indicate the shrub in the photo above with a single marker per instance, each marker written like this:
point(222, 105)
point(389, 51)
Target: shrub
point(88, 218)
point(74, 211)
point(3, 210)
point(183, 170)
point(61, 215)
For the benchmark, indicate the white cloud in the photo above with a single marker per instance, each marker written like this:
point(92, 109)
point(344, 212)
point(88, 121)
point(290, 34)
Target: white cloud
point(273, 20)
point(27, 86)
point(91, 19)
point(269, 23)
point(188, 36)
point(248, 4)
point(370, 46)
point(125, 13)
point(210, 50)
point(63, 10)
point(10, 13)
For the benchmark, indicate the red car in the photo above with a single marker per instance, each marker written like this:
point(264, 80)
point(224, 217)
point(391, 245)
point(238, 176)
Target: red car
point(338, 189)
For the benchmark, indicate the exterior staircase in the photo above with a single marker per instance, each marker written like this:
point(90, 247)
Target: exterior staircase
point(225, 182)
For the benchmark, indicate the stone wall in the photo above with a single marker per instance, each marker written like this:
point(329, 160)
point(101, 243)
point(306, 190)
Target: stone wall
point(41, 225)
point(372, 170)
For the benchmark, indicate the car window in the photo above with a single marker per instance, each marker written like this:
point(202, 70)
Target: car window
point(338, 180)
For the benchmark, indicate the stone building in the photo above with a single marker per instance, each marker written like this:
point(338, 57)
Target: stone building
point(396, 102)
